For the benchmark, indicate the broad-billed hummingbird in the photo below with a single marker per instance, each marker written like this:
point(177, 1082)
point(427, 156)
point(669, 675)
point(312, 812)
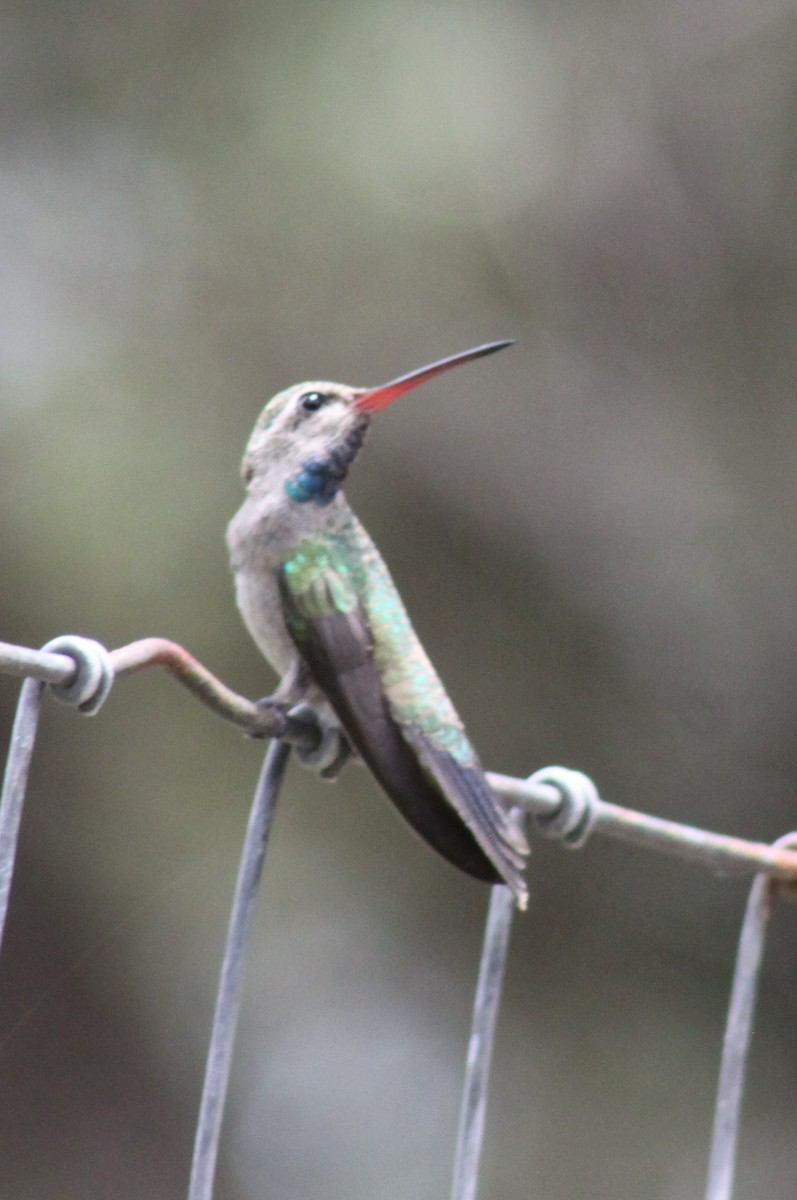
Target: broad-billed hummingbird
point(319, 602)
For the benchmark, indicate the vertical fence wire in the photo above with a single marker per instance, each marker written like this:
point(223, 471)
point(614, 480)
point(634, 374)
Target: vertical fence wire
point(15, 782)
point(228, 1000)
point(470, 1133)
point(738, 1033)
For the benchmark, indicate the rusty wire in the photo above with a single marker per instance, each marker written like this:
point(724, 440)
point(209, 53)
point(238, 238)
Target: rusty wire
point(719, 852)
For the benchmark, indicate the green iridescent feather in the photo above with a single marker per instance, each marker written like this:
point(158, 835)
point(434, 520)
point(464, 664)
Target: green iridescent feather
point(337, 573)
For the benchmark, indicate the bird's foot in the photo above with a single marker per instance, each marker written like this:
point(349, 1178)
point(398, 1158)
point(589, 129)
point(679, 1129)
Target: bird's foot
point(333, 751)
point(277, 714)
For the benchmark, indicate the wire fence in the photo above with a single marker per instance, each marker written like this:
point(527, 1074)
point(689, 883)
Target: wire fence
point(558, 802)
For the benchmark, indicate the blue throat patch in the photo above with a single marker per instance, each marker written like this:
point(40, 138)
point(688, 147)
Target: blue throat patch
point(320, 477)
point(318, 481)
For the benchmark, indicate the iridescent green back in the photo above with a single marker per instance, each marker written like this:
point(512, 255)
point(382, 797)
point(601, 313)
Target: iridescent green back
point(338, 572)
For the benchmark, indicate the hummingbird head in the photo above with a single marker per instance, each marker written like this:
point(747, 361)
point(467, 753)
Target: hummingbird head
point(305, 439)
point(307, 436)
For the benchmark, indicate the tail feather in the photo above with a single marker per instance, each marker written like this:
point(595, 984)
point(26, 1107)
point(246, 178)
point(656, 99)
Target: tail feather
point(447, 802)
point(467, 791)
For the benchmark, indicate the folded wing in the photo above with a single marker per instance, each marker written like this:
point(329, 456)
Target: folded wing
point(442, 794)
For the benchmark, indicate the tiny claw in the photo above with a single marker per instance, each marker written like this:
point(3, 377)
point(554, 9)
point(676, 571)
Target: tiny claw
point(275, 712)
point(345, 753)
point(331, 753)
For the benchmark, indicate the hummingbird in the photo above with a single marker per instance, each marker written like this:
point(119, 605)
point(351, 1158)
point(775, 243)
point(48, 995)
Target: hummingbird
point(319, 602)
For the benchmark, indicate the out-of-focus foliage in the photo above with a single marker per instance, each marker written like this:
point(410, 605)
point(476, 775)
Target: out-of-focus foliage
point(595, 532)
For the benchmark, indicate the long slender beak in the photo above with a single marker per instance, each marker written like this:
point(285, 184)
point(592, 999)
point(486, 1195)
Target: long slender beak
point(374, 399)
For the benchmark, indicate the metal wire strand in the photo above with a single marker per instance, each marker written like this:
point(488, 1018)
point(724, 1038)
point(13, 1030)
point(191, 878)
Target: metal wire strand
point(738, 1031)
point(228, 1000)
point(567, 802)
point(84, 682)
point(717, 851)
point(15, 781)
point(480, 1048)
point(548, 793)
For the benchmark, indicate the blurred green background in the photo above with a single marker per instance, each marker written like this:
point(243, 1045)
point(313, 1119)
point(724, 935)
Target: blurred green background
point(594, 532)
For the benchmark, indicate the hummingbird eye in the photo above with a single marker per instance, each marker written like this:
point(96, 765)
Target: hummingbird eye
point(312, 401)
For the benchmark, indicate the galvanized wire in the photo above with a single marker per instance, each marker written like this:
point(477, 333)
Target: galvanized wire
point(470, 1133)
point(738, 1032)
point(37, 664)
point(720, 852)
point(15, 782)
point(79, 673)
point(228, 1001)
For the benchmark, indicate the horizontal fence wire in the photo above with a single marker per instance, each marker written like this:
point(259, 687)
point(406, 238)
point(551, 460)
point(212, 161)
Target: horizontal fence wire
point(536, 796)
point(561, 803)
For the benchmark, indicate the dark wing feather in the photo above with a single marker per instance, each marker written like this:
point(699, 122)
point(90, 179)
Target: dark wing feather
point(449, 805)
point(467, 790)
